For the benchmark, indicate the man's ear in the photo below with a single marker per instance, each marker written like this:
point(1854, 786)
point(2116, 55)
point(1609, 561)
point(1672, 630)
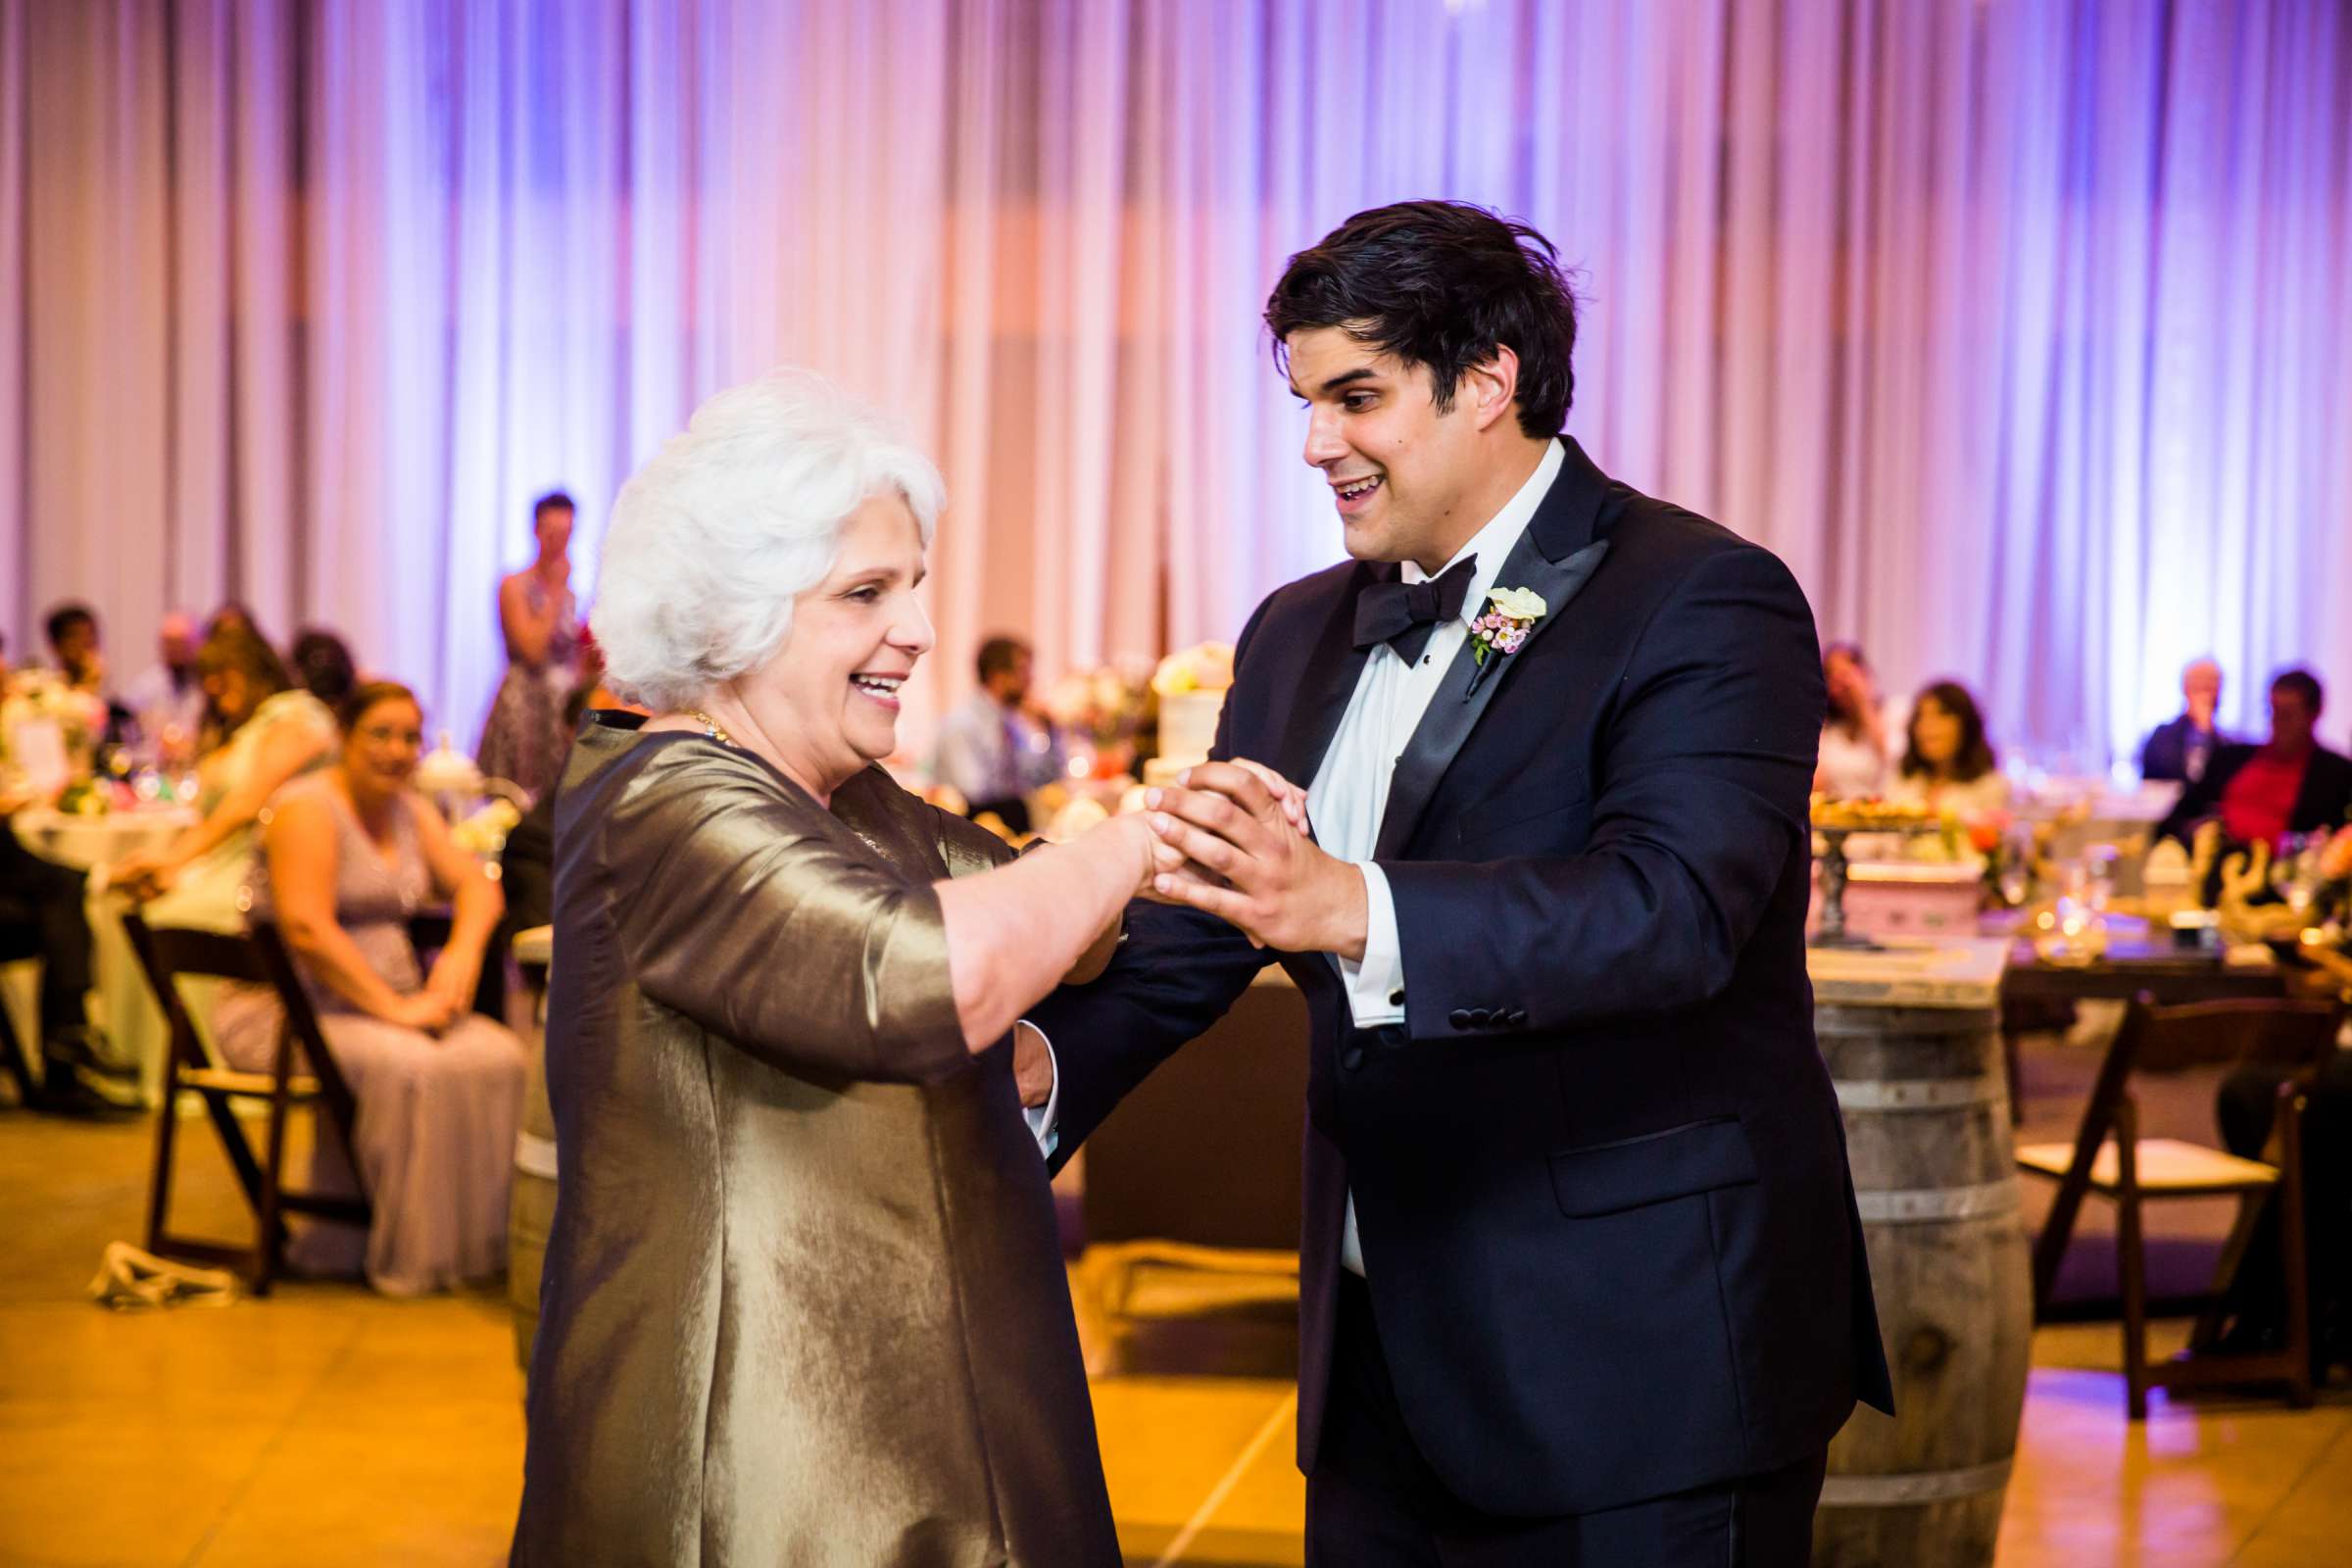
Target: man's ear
point(1490, 386)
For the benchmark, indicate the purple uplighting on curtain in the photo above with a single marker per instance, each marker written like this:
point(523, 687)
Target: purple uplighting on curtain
point(2022, 329)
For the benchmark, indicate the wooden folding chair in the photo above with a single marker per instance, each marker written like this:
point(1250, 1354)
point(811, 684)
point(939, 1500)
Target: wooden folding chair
point(2108, 1157)
point(302, 1072)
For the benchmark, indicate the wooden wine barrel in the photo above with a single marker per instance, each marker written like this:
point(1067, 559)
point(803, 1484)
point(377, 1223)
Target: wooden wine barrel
point(531, 1203)
point(1927, 1127)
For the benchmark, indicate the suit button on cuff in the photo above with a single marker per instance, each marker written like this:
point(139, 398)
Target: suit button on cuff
point(1460, 1017)
point(1353, 1057)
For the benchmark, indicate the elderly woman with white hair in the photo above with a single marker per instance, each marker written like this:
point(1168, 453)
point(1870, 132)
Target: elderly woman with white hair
point(803, 1300)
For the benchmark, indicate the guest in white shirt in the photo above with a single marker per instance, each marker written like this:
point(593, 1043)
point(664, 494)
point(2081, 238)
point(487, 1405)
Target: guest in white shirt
point(1948, 765)
point(1857, 753)
point(993, 749)
point(169, 695)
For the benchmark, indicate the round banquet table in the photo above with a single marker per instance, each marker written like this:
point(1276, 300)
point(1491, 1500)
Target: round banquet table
point(133, 1023)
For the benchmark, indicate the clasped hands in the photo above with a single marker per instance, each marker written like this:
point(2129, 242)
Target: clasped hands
point(1250, 858)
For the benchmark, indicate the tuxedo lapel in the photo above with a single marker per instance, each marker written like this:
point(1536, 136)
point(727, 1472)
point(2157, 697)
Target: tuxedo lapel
point(1319, 700)
point(1555, 558)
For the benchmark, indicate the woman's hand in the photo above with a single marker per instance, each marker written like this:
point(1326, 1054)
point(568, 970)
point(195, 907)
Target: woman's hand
point(420, 1010)
point(452, 981)
point(145, 876)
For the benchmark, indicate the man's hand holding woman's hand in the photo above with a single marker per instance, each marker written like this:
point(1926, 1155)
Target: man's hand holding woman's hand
point(1250, 857)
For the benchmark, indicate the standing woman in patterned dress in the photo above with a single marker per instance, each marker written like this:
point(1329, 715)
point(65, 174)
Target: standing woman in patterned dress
point(523, 741)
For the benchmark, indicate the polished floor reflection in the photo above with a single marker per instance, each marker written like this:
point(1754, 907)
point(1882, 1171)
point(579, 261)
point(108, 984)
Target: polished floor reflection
point(328, 1426)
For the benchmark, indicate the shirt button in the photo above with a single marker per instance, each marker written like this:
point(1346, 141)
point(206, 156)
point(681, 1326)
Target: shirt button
point(1397, 998)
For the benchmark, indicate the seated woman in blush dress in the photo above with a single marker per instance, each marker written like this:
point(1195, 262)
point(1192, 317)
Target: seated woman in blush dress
point(804, 1301)
point(346, 856)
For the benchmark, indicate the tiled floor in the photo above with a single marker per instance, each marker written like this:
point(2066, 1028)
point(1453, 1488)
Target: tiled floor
point(327, 1426)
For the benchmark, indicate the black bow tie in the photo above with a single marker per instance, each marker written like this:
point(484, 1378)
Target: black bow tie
point(1403, 613)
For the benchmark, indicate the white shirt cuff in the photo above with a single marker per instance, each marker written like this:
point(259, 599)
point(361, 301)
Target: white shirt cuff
point(1376, 985)
point(1045, 1121)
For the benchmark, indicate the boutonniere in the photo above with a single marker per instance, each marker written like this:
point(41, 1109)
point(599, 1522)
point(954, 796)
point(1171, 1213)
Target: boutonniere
point(1510, 614)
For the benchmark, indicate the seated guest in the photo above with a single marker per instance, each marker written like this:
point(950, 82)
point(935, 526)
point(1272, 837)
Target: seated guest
point(74, 644)
point(993, 751)
point(1855, 754)
point(2288, 784)
point(166, 698)
point(348, 855)
point(1947, 763)
point(231, 617)
point(2178, 750)
point(267, 734)
point(43, 915)
point(321, 666)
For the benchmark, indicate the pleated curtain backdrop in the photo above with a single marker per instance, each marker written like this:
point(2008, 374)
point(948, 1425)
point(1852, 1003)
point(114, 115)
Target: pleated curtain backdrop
point(2022, 329)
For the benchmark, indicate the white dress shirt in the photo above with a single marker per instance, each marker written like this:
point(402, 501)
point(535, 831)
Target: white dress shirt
point(1351, 791)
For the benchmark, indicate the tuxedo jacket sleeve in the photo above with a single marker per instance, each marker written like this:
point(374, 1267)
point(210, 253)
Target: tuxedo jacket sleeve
point(1175, 972)
point(1698, 800)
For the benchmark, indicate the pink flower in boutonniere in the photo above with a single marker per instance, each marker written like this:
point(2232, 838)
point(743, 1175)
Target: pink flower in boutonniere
point(1510, 615)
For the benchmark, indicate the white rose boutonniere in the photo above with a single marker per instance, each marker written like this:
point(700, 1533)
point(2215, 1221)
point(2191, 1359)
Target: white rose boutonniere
point(1510, 614)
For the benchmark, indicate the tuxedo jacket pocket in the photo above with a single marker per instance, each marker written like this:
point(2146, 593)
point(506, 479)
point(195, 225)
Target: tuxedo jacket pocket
point(1695, 1157)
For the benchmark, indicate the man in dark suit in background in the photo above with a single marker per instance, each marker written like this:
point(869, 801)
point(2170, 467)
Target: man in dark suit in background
point(1582, 1279)
point(2288, 784)
point(2178, 749)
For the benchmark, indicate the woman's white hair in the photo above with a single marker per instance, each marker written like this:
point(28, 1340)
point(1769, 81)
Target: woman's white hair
point(735, 517)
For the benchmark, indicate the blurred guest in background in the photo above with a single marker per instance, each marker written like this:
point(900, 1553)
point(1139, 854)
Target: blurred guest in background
point(43, 915)
point(267, 731)
point(231, 617)
point(1948, 764)
point(2288, 784)
point(74, 644)
point(1856, 754)
point(348, 855)
point(524, 740)
point(993, 749)
point(2180, 749)
point(166, 696)
point(321, 666)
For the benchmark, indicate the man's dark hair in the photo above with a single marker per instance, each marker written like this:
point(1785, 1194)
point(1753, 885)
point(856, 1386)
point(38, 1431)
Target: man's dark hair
point(64, 618)
point(321, 666)
point(1441, 284)
point(999, 653)
point(2304, 684)
point(553, 501)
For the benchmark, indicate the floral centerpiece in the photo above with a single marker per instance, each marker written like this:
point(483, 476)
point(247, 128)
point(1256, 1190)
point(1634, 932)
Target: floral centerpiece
point(35, 699)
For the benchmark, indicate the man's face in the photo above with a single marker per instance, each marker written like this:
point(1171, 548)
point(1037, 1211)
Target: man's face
point(177, 641)
point(1398, 467)
point(1010, 684)
point(77, 643)
point(2292, 719)
point(2201, 689)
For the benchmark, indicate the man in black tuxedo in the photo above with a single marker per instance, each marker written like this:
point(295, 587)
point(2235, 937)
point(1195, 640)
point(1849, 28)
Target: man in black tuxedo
point(1581, 1276)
